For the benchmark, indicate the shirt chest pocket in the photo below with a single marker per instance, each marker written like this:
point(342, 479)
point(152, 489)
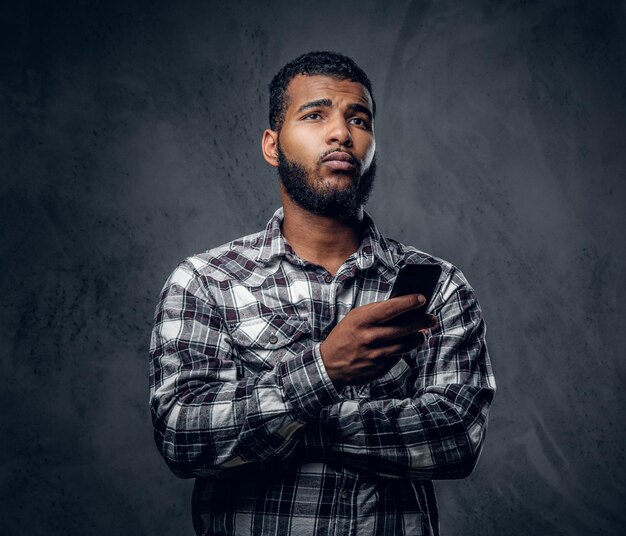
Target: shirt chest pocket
point(262, 342)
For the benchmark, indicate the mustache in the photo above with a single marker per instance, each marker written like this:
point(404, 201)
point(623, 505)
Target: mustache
point(354, 161)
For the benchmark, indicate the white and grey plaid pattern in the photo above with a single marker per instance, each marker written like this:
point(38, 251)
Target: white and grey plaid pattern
point(241, 400)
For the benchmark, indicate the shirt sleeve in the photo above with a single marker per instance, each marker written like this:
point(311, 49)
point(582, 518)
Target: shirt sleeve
point(206, 418)
point(438, 432)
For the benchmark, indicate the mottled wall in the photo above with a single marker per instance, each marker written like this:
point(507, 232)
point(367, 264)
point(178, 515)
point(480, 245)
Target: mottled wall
point(129, 139)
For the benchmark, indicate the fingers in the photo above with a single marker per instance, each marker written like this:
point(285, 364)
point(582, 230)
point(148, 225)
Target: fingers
point(414, 317)
point(379, 335)
point(380, 312)
point(402, 346)
point(383, 335)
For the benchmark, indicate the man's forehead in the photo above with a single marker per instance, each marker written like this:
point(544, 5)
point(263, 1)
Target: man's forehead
point(304, 88)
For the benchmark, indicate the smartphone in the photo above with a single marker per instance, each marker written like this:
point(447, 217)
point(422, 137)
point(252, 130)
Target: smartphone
point(417, 279)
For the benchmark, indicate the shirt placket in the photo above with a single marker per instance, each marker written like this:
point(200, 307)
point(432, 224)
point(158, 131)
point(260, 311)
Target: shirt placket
point(346, 506)
point(328, 314)
point(346, 293)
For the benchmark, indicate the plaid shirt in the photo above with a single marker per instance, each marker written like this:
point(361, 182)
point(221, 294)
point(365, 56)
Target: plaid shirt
point(241, 400)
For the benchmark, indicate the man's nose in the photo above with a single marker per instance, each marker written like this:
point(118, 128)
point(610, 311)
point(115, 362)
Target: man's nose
point(338, 132)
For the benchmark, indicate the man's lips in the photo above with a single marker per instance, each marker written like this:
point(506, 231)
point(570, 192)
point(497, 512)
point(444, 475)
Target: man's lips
point(339, 160)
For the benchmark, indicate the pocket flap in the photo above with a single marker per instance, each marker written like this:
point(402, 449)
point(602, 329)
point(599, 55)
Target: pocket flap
point(269, 332)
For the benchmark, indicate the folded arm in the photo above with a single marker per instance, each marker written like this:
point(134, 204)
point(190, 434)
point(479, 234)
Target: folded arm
point(205, 417)
point(437, 432)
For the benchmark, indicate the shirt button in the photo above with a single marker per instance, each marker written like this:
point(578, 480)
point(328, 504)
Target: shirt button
point(344, 494)
point(273, 339)
point(328, 278)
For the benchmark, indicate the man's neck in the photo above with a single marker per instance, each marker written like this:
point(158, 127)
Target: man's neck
point(321, 240)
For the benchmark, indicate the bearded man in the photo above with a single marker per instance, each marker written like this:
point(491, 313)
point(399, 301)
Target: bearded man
point(284, 379)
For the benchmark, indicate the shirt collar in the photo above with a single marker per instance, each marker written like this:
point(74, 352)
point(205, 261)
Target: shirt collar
point(374, 247)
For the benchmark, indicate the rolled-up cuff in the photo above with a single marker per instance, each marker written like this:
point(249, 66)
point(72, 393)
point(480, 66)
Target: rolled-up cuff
point(306, 383)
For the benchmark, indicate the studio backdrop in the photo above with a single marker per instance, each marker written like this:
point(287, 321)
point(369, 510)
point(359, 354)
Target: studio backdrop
point(130, 139)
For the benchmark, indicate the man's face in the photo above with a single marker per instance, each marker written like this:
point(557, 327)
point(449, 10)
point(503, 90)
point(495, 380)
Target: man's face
point(326, 146)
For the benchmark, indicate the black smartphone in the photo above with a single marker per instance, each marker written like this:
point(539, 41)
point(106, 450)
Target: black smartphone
point(417, 279)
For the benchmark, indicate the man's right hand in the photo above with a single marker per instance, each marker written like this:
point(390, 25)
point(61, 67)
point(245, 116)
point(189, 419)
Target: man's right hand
point(370, 339)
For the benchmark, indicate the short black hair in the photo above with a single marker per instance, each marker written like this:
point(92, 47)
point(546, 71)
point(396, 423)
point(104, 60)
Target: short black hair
point(311, 64)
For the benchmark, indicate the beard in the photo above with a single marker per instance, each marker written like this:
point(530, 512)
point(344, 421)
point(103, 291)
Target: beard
point(309, 192)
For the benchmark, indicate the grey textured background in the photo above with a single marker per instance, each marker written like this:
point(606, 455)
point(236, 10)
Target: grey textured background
point(130, 138)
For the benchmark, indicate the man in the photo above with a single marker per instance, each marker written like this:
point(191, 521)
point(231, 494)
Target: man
point(282, 378)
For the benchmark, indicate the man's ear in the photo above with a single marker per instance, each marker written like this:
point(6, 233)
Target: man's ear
point(269, 146)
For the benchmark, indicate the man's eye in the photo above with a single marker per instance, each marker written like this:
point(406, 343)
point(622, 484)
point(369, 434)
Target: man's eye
point(314, 115)
point(359, 121)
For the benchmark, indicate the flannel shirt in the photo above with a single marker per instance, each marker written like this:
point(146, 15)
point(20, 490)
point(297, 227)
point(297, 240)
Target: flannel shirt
point(241, 400)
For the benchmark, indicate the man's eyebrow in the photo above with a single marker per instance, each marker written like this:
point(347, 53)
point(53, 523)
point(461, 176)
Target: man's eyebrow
point(325, 103)
point(360, 108)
